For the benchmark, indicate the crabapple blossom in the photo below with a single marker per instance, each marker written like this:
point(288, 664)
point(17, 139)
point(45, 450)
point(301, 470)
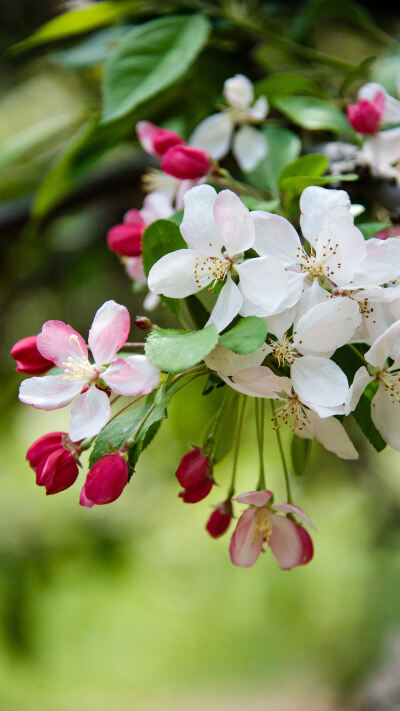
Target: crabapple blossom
point(105, 481)
point(80, 380)
point(218, 229)
point(217, 133)
point(29, 360)
point(263, 523)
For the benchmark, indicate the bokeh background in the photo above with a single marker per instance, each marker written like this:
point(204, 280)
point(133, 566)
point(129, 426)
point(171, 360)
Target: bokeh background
point(132, 607)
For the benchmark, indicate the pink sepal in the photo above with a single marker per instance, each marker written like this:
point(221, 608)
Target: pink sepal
point(254, 498)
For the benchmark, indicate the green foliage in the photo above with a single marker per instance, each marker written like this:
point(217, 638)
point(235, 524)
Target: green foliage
point(370, 229)
point(77, 21)
point(283, 148)
point(93, 50)
point(160, 238)
point(175, 351)
point(149, 59)
point(286, 84)
point(311, 165)
point(247, 335)
point(314, 114)
point(362, 415)
point(300, 453)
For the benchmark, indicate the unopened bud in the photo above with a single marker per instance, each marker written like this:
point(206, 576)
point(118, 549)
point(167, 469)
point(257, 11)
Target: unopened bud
point(143, 322)
point(105, 481)
point(185, 162)
point(220, 519)
point(29, 359)
point(365, 115)
point(126, 238)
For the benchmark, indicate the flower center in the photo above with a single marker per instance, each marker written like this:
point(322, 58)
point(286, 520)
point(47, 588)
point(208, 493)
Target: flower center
point(77, 368)
point(283, 351)
point(391, 384)
point(262, 524)
point(292, 412)
point(318, 266)
point(210, 270)
point(155, 179)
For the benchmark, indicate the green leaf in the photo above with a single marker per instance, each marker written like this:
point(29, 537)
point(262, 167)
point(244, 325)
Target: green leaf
point(197, 310)
point(247, 335)
point(386, 69)
point(285, 84)
point(314, 114)
point(175, 351)
point(149, 59)
point(370, 229)
point(74, 22)
point(300, 452)
point(314, 164)
point(93, 50)
point(255, 204)
point(160, 238)
point(295, 186)
point(362, 415)
point(283, 148)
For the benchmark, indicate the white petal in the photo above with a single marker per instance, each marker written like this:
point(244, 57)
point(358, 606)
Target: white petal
point(227, 306)
point(259, 109)
point(213, 135)
point(315, 204)
point(198, 226)
point(132, 376)
point(319, 381)
point(228, 363)
point(261, 382)
point(174, 274)
point(312, 295)
point(263, 282)
point(90, 412)
point(381, 264)
point(238, 91)
point(332, 435)
point(326, 326)
point(249, 147)
point(275, 237)
point(49, 392)
point(278, 324)
point(382, 149)
point(383, 346)
point(151, 301)
point(155, 206)
point(343, 243)
point(109, 331)
point(385, 413)
point(361, 379)
point(234, 223)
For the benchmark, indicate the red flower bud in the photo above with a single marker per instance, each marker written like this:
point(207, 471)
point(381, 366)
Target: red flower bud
point(164, 139)
point(365, 115)
point(192, 496)
point(308, 548)
point(29, 360)
point(192, 469)
point(59, 471)
point(143, 322)
point(393, 231)
point(126, 238)
point(220, 519)
point(184, 162)
point(105, 481)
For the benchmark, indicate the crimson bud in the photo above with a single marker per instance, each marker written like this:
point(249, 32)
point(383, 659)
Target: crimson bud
point(185, 162)
point(29, 360)
point(105, 481)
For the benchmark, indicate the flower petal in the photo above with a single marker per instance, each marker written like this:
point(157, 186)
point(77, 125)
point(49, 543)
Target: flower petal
point(341, 245)
point(227, 362)
point(385, 413)
point(319, 381)
point(315, 204)
point(326, 326)
point(132, 376)
point(249, 147)
point(109, 331)
point(275, 237)
point(263, 282)
point(155, 206)
point(198, 226)
point(259, 110)
point(174, 274)
point(291, 508)
point(234, 223)
point(246, 544)
point(213, 135)
point(285, 543)
point(361, 379)
point(146, 131)
point(261, 382)
point(59, 341)
point(383, 346)
point(254, 498)
point(381, 264)
point(332, 435)
point(49, 392)
point(227, 305)
point(90, 412)
point(238, 91)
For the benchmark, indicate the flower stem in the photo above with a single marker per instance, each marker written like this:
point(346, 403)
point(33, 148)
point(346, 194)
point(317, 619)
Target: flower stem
point(237, 447)
point(283, 460)
point(129, 404)
point(260, 409)
point(133, 345)
point(357, 352)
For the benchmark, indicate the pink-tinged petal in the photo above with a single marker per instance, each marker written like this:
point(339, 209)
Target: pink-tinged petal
point(90, 412)
point(291, 508)
point(132, 376)
point(146, 132)
point(234, 223)
point(58, 342)
point(227, 306)
point(254, 498)
point(109, 331)
point(261, 382)
point(383, 346)
point(246, 544)
point(308, 547)
point(29, 360)
point(155, 206)
point(275, 237)
point(285, 544)
point(186, 162)
point(228, 363)
point(213, 135)
point(134, 269)
point(84, 501)
point(49, 392)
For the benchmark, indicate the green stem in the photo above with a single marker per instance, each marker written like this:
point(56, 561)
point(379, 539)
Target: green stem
point(283, 460)
point(357, 352)
point(259, 408)
point(237, 448)
point(141, 423)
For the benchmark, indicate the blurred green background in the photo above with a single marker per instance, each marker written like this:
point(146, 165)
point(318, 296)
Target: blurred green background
point(133, 606)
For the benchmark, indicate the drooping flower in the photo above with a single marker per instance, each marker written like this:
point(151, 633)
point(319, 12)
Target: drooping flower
point(220, 519)
point(263, 523)
point(65, 347)
point(217, 133)
point(29, 360)
point(194, 474)
point(218, 229)
point(105, 481)
point(53, 457)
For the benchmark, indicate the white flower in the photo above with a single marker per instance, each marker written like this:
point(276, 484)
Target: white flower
point(218, 229)
point(216, 133)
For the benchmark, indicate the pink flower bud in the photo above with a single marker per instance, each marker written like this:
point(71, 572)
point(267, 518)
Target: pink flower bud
point(365, 116)
point(308, 548)
point(105, 481)
point(59, 471)
point(393, 231)
point(126, 238)
point(143, 322)
point(29, 359)
point(192, 496)
point(220, 519)
point(185, 163)
point(192, 469)
point(44, 446)
point(155, 140)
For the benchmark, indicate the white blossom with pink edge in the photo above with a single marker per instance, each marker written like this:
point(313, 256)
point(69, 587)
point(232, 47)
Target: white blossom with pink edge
point(131, 376)
point(217, 133)
point(262, 523)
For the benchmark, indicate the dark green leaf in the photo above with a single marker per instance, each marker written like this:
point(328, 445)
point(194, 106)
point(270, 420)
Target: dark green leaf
point(313, 164)
point(314, 114)
point(117, 432)
point(300, 452)
point(175, 351)
point(296, 185)
point(197, 310)
point(284, 83)
point(247, 335)
point(160, 238)
point(283, 147)
point(150, 58)
point(362, 415)
point(370, 229)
